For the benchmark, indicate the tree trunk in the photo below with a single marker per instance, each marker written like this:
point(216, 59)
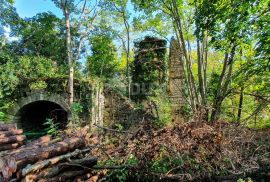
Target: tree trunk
point(239, 113)
point(202, 82)
point(69, 55)
point(10, 146)
point(41, 165)
point(54, 172)
point(7, 127)
point(23, 158)
point(223, 83)
point(63, 177)
point(12, 139)
point(10, 133)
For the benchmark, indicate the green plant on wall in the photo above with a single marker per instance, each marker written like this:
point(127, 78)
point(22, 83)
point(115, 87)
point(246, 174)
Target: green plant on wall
point(149, 67)
point(39, 85)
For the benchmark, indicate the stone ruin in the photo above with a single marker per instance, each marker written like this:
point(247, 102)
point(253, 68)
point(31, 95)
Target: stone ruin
point(176, 77)
point(106, 106)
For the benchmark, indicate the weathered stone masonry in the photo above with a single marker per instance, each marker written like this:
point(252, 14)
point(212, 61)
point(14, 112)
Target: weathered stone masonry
point(176, 76)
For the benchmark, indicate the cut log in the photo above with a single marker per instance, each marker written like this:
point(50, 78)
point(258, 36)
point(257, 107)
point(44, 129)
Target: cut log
point(43, 164)
point(12, 139)
point(87, 162)
point(11, 132)
point(29, 157)
point(81, 164)
point(44, 141)
point(39, 142)
point(78, 164)
point(10, 146)
point(47, 152)
point(7, 127)
point(8, 166)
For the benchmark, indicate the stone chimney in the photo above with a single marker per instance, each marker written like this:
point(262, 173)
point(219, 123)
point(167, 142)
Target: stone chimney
point(176, 79)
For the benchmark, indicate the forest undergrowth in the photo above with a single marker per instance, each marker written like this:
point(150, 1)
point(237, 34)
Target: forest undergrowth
point(193, 151)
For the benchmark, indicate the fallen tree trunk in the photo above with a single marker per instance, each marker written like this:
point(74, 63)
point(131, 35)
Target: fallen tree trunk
point(39, 142)
point(12, 139)
point(48, 173)
point(35, 144)
point(85, 163)
point(10, 146)
point(21, 159)
point(11, 132)
point(53, 150)
point(52, 161)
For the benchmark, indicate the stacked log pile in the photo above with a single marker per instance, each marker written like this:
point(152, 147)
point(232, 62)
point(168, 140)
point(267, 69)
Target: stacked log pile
point(44, 159)
point(10, 137)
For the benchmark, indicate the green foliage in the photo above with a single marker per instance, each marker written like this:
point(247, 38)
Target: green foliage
point(3, 116)
point(68, 5)
point(161, 106)
point(157, 24)
point(33, 73)
point(38, 85)
point(8, 79)
point(76, 108)
point(47, 38)
point(119, 126)
point(35, 68)
point(164, 163)
point(123, 174)
point(149, 66)
point(52, 128)
point(76, 111)
point(102, 63)
point(8, 16)
point(242, 180)
point(118, 85)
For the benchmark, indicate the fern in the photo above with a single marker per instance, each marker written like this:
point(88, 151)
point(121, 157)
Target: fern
point(52, 127)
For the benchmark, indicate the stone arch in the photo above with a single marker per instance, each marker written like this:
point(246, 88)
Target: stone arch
point(32, 110)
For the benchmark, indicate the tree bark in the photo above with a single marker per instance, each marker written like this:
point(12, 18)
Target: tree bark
point(40, 142)
point(52, 161)
point(65, 176)
point(239, 113)
point(10, 146)
point(223, 83)
point(12, 139)
point(11, 132)
point(69, 52)
point(7, 127)
point(54, 172)
point(32, 156)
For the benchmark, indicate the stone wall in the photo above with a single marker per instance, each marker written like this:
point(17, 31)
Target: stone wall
point(97, 105)
point(176, 77)
point(118, 109)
